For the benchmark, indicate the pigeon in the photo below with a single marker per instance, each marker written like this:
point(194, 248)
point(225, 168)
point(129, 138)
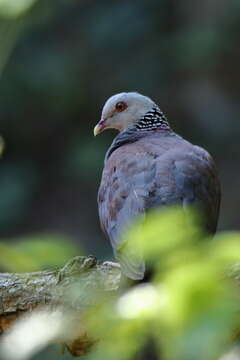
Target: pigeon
point(149, 166)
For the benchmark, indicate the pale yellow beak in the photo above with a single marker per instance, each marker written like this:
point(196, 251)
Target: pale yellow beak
point(99, 127)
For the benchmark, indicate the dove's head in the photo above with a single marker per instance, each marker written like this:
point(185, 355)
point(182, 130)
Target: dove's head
point(123, 110)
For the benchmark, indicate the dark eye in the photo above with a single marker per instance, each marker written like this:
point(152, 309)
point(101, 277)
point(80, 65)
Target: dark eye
point(120, 106)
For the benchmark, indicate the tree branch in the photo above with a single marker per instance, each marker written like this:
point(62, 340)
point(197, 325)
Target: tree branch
point(25, 291)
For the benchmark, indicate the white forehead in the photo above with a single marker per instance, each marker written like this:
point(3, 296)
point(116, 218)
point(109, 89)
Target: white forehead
point(129, 98)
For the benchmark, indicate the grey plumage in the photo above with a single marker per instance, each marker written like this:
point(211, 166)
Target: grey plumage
point(153, 168)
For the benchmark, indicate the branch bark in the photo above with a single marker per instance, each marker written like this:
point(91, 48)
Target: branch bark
point(24, 292)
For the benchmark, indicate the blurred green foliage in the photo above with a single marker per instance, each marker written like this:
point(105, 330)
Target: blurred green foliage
point(13, 9)
point(39, 252)
point(190, 309)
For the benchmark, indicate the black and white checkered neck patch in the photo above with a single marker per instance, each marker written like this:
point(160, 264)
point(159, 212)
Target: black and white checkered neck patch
point(153, 119)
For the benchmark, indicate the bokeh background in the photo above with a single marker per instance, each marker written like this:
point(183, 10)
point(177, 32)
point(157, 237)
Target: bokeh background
point(61, 59)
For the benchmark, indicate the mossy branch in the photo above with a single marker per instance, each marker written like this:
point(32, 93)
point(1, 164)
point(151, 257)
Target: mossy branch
point(23, 292)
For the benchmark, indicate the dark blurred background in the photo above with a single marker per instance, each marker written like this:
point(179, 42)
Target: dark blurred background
point(61, 59)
